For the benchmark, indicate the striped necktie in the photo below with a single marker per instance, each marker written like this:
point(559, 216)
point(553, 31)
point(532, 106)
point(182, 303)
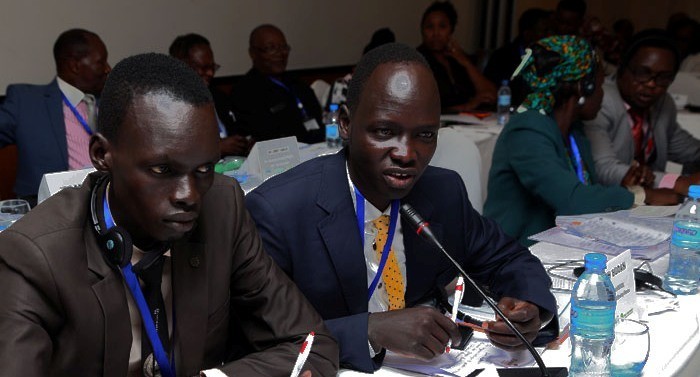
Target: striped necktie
point(91, 118)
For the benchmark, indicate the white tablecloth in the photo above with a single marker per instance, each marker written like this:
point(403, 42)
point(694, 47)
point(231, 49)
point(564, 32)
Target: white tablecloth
point(675, 338)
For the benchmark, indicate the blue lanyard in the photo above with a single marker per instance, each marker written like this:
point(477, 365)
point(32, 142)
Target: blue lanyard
point(394, 214)
point(222, 129)
point(79, 117)
point(578, 164)
point(300, 105)
point(132, 282)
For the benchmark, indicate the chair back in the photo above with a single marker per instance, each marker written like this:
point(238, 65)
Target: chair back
point(8, 171)
point(456, 151)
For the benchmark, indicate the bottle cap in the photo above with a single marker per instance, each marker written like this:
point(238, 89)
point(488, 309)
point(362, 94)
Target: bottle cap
point(333, 107)
point(694, 191)
point(595, 260)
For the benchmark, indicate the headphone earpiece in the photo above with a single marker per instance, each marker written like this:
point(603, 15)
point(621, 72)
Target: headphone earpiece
point(115, 242)
point(116, 246)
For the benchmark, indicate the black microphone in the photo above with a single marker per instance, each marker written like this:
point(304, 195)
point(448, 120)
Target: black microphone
point(423, 229)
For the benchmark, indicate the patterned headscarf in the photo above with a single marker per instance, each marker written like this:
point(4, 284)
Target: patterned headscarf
point(577, 60)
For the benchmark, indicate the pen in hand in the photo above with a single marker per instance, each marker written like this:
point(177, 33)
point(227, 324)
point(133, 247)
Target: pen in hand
point(459, 292)
point(303, 355)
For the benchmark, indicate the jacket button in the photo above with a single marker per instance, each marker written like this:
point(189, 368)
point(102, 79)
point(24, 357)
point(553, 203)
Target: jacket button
point(194, 262)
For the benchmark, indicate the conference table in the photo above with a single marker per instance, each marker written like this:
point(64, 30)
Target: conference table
point(674, 335)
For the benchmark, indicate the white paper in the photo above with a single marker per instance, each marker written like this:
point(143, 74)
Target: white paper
point(654, 211)
point(621, 272)
point(478, 354)
point(559, 236)
point(52, 183)
point(271, 157)
point(620, 233)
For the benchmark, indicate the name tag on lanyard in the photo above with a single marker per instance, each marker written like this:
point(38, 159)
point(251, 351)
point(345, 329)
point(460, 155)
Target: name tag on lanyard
point(311, 124)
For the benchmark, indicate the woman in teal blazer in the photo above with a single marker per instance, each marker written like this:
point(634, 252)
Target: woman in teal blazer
point(542, 166)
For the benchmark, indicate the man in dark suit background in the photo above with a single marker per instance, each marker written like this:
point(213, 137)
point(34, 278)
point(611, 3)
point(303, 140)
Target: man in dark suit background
point(51, 124)
point(195, 51)
point(318, 222)
point(217, 299)
point(268, 102)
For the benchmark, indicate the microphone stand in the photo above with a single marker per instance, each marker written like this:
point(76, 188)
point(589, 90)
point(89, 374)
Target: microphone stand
point(422, 229)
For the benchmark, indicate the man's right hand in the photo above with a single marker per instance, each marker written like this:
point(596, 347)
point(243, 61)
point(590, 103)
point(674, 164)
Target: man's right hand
point(638, 175)
point(420, 332)
point(661, 197)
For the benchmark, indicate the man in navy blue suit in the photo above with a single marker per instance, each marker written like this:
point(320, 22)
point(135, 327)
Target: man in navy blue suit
point(318, 222)
point(51, 124)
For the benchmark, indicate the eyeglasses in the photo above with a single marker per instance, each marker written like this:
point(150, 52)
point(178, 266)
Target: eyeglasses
point(643, 76)
point(205, 68)
point(269, 50)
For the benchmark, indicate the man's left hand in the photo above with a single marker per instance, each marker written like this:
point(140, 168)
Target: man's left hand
point(235, 145)
point(526, 318)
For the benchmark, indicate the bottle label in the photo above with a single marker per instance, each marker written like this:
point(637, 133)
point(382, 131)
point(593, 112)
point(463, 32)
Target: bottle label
point(595, 321)
point(332, 131)
point(504, 100)
point(685, 232)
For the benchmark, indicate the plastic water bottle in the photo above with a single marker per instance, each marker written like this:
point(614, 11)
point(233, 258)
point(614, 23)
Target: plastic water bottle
point(684, 262)
point(503, 109)
point(332, 129)
point(592, 320)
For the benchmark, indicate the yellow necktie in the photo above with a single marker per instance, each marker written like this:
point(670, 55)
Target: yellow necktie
point(391, 276)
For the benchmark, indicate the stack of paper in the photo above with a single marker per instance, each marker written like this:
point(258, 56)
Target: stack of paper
point(612, 233)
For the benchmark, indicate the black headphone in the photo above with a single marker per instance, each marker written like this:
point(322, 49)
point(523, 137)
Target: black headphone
point(115, 242)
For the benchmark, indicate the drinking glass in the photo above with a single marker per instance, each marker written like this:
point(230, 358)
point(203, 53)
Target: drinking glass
point(14, 206)
point(11, 211)
point(630, 350)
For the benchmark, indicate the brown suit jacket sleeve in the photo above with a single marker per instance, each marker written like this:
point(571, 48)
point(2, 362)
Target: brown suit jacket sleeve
point(271, 311)
point(28, 308)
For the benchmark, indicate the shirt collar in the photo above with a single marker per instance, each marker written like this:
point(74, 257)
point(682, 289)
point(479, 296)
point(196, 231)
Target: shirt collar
point(371, 212)
point(73, 94)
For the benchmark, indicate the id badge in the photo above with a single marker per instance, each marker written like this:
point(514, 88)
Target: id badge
point(311, 124)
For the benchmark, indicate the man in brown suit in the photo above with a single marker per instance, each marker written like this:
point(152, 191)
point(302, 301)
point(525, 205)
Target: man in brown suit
point(66, 309)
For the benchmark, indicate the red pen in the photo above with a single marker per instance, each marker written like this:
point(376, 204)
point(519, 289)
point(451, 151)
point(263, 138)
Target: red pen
point(303, 355)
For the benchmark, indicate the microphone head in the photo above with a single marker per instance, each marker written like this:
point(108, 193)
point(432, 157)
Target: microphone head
point(411, 215)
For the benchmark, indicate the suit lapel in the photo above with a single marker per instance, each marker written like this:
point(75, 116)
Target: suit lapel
point(54, 107)
point(190, 300)
point(340, 234)
point(111, 295)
